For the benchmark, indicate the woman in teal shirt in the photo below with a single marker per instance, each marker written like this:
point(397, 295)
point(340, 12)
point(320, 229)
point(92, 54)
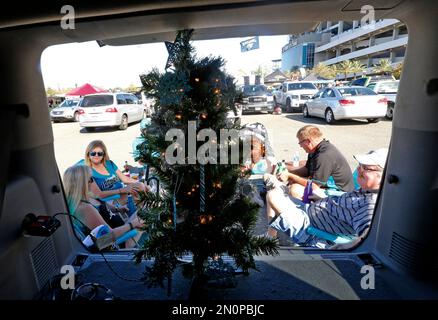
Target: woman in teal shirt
point(108, 179)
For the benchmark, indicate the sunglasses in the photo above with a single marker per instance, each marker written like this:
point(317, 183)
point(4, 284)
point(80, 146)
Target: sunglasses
point(99, 154)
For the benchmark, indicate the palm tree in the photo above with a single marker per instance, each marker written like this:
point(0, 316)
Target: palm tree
point(293, 73)
point(397, 70)
point(357, 67)
point(324, 71)
point(345, 67)
point(383, 67)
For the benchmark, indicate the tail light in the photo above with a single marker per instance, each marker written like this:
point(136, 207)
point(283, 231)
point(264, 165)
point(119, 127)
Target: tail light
point(111, 110)
point(81, 111)
point(382, 100)
point(345, 102)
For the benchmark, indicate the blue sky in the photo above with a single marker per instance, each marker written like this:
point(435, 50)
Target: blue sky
point(107, 67)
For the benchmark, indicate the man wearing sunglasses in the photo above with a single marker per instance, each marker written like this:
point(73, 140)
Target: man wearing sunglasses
point(325, 165)
point(349, 214)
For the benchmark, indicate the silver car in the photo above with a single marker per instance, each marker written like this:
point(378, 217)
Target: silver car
point(346, 103)
point(66, 111)
point(110, 110)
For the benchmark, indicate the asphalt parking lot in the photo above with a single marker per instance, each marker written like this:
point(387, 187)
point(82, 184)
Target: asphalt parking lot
point(350, 136)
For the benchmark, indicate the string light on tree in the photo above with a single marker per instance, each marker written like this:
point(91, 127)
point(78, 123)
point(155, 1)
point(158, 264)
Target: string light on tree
point(194, 89)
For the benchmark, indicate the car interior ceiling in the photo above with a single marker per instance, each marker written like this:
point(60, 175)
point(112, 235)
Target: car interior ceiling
point(401, 238)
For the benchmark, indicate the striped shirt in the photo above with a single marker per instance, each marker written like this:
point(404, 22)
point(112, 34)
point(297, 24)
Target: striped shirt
point(350, 213)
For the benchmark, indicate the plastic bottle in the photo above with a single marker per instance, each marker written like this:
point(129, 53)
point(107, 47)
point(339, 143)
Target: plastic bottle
point(126, 169)
point(307, 191)
point(281, 166)
point(131, 205)
point(296, 160)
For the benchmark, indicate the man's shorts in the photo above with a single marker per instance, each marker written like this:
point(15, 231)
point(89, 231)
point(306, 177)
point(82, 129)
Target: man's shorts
point(293, 222)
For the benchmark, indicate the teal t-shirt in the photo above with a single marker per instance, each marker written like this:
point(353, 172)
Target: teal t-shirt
point(260, 167)
point(110, 181)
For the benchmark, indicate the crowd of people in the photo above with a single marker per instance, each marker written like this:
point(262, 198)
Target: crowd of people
point(335, 206)
point(97, 191)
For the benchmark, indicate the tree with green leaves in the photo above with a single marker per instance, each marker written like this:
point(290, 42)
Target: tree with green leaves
point(357, 67)
point(397, 70)
point(201, 210)
point(324, 71)
point(384, 66)
point(346, 67)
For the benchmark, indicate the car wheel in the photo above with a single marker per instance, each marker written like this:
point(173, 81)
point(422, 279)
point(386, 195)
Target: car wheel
point(306, 112)
point(288, 106)
point(329, 117)
point(124, 122)
point(390, 111)
point(373, 120)
point(76, 117)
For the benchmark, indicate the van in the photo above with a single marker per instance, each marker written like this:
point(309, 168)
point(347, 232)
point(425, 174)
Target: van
point(110, 110)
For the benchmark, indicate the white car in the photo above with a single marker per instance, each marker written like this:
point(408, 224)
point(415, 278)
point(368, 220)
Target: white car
point(389, 89)
point(346, 103)
point(66, 111)
point(293, 95)
point(110, 110)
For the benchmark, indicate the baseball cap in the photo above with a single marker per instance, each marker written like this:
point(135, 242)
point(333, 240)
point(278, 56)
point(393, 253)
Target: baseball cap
point(373, 158)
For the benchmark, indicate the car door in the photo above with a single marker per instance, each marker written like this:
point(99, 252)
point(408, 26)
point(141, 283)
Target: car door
point(329, 100)
point(121, 106)
point(321, 104)
point(131, 108)
point(137, 107)
point(312, 105)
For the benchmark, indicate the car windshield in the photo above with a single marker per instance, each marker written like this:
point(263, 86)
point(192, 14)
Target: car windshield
point(388, 87)
point(255, 90)
point(97, 101)
point(69, 103)
point(301, 86)
point(345, 92)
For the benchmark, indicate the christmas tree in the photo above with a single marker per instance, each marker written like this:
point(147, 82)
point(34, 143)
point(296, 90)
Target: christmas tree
point(200, 210)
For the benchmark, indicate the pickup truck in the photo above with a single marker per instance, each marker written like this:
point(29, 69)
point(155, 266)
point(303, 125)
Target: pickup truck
point(256, 98)
point(292, 95)
point(388, 89)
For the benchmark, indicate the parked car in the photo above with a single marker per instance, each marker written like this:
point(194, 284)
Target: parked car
point(66, 111)
point(365, 81)
point(256, 98)
point(346, 103)
point(387, 88)
point(110, 110)
point(293, 95)
point(148, 103)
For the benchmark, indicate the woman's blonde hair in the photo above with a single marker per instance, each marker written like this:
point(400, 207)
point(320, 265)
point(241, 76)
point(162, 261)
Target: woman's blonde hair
point(92, 145)
point(76, 179)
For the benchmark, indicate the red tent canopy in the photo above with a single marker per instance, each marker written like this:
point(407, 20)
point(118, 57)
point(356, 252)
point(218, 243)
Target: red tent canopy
point(85, 89)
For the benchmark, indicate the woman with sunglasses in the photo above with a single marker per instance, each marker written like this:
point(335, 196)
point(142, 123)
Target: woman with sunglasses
point(108, 179)
point(77, 181)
